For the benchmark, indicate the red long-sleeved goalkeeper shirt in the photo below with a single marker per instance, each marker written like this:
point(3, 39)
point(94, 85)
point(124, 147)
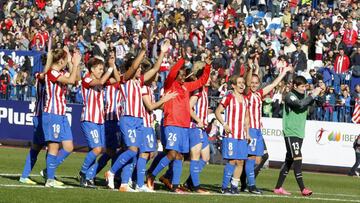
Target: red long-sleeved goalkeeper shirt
point(177, 110)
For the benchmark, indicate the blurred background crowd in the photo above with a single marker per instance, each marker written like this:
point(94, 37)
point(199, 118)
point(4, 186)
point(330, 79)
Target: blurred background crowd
point(320, 39)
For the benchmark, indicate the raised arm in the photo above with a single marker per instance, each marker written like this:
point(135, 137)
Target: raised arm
point(301, 104)
point(270, 87)
point(152, 106)
point(173, 73)
point(164, 48)
point(103, 79)
point(135, 65)
point(191, 86)
point(74, 71)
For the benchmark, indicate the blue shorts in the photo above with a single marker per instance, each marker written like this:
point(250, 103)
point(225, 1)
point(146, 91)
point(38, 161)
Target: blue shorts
point(131, 129)
point(148, 143)
point(256, 146)
point(177, 138)
point(112, 134)
point(56, 128)
point(94, 133)
point(38, 135)
point(197, 136)
point(234, 149)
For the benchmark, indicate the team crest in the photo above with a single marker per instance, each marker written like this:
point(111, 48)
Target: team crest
point(296, 152)
point(56, 135)
point(151, 144)
point(132, 139)
point(230, 153)
point(171, 143)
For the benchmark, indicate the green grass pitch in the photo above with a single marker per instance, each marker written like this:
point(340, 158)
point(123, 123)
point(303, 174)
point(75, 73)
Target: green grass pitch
point(326, 187)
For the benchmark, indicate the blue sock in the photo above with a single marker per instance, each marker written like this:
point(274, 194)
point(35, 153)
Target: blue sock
point(162, 164)
point(249, 169)
point(122, 160)
point(140, 170)
point(169, 172)
point(89, 159)
point(91, 172)
point(61, 156)
point(195, 172)
point(202, 164)
point(228, 173)
point(177, 169)
point(156, 161)
point(51, 166)
point(29, 163)
point(127, 171)
point(102, 162)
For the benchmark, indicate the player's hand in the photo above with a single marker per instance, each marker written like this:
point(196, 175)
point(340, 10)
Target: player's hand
point(316, 91)
point(143, 44)
point(112, 61)
point(208, 60)
point(227, 129)
point(66, 49)
point(168, 96)
point(248, 138)
point(76, 59)
point(200, 125)
point(165, 46)
point(288, 69)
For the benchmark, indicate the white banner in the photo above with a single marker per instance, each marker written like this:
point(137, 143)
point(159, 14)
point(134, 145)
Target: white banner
point(325, 143)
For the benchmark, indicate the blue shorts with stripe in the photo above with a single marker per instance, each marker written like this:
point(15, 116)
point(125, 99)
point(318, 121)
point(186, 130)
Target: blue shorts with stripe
point(56, 127)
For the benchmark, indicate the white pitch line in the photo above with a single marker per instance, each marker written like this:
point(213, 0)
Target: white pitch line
point(32, 186)
point(213, 194)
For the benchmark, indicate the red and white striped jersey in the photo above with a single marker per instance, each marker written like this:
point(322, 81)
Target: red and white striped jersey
point(148, 115)
point(93, 97)
point(40, 95)
point(55, 93)
point(113, 99)
point(356, 113)
point(202, 105)
point(255, 108)
point(132, 104)
point(235, 112)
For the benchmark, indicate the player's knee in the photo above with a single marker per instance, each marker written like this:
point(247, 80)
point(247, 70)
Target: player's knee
point(134, 149)
point(252, 157)
point(297, 158)
point(144, 155)
point(240, 163)
point(171, 155)
point(179, 156)
point(97, 150)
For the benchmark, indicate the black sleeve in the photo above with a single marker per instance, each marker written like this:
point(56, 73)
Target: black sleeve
point(298, 104)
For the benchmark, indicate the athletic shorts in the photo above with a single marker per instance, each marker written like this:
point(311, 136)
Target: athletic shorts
point(293, 147)
point(234, 149)
point(56, 127)
point(112, 134)
point(256, 146)
point(38, 135)
point(177, 138)
point(94, 133)
point(197, 136)
point(148, 143)
point(131, 129)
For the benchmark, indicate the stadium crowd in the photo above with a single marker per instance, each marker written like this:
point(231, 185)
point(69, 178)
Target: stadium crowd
point(319, 39)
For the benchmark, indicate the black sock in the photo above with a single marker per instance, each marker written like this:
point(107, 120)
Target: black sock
point(243, 179)
point(264, 158)
point(283, 172)
point(298, 173)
